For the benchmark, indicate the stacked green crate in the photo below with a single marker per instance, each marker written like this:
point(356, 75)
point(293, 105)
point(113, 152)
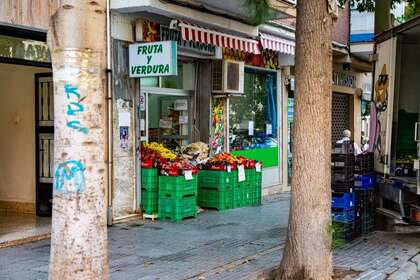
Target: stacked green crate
point(177, 198)
point(254, 182)
point(216, 189)
point(149, 190)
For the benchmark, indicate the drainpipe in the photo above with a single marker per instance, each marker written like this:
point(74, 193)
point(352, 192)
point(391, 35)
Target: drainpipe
point(109, 103)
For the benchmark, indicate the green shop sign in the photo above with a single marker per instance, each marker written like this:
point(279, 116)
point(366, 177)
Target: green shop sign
point(153, 59)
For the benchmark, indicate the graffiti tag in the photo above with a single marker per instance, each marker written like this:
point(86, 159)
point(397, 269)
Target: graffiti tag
point(74, 108)
point(70, 177)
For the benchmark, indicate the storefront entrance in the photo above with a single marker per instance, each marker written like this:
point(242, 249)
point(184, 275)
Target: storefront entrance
point(166, 118)
point(26, 136)
point(163, 116)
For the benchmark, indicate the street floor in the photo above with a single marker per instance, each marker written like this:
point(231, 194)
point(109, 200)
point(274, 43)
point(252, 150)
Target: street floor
point(234, 244)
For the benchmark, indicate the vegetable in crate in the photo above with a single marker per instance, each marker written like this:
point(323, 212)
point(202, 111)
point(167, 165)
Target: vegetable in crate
point(197, 152)
point(164, 152)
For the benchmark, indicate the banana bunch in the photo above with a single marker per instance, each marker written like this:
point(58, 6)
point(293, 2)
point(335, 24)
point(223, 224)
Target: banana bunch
point(164, 152)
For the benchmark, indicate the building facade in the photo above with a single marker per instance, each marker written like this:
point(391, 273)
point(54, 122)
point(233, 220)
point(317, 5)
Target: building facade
point(251, 120)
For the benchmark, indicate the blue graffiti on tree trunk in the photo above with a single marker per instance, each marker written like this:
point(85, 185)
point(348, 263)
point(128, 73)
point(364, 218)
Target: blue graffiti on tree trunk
point(74, 108)
point(70, 177)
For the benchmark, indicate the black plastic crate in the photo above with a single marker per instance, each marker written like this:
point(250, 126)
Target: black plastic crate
point(342, 174)
point(342, 187)
point(344, 231)
point(365, 224)
point(347, 147)
point(343, 169)
point(342, 160)
point(365, 202)
point(364, 163)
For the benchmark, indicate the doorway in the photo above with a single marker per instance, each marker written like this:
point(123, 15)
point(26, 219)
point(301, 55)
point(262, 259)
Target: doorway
point(19, 152)
point(44, 142)
point(163, 116)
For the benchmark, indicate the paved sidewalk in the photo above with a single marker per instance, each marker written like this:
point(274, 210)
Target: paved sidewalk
point(234, 244)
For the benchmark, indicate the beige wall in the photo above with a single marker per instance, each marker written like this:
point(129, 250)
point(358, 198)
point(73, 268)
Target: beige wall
point(17, 132)
point(29, 13)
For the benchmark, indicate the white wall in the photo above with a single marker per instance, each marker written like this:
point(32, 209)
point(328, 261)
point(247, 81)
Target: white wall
point(17, 132)
point(409, 95)
point(362, 22)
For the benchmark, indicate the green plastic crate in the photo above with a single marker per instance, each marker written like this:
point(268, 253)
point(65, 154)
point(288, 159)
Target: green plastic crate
point(239, 192)
point(217, 179)
point(177, 216)
point(149, 201)
point(177, 186)
point(253, 176)
point(213, 198)
point(177, 209)
point(149, 179)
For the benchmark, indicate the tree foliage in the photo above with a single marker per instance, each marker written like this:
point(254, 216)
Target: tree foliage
point(259, 11)
point(369, 5)
point(412, 10)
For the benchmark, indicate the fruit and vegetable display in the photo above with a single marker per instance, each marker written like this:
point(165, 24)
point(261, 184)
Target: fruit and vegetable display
point(155, 155)
point(159, 148)
point(222, 160)
point(192, 157)
point(196, 152)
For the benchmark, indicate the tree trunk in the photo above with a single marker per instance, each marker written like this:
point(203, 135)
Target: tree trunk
point(79, 235)
point(382, 15)
point(307, 254)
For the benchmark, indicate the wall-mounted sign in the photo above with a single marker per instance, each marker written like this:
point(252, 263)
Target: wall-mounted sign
point(18, 48)
point(344, 79)
point(153, 59)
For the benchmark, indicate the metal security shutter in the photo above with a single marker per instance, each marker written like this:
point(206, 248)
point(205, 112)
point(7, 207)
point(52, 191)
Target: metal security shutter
point(340, 115)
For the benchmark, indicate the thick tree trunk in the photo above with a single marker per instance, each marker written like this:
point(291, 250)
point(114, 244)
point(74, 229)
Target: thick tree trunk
point(307, 254)
point(79, 235)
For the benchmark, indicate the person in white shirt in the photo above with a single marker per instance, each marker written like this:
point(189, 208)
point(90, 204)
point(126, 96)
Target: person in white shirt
point(346, 137)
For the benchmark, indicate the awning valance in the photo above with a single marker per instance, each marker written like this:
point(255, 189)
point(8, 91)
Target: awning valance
point(199, 34)
point(277, 44)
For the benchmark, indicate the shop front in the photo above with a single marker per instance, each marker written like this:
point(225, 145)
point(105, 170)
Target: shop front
point(219, 89)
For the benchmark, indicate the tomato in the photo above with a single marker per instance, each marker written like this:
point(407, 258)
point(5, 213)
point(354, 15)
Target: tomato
point(147, 164)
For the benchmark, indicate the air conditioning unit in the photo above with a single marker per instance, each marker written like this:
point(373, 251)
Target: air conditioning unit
point(228, 77)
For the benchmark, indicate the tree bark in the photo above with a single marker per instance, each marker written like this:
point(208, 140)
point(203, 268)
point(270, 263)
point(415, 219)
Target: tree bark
point(307, 254)
point(79, 235)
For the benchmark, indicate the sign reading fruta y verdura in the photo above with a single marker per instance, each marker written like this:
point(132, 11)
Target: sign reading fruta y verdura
point(153, 59)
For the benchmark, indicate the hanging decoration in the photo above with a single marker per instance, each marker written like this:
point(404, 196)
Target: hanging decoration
point(150, 31)
point(267, 59)
point(218, 127)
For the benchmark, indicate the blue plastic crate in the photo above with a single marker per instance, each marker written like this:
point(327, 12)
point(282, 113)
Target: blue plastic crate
point(366, 181)
point(343, 216)
point(345, 201)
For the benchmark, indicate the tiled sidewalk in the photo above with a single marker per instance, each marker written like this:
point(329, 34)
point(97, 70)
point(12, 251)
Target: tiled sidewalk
point(234, 244)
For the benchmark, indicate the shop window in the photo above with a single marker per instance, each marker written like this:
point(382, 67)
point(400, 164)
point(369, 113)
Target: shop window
point(149, 82)
point(253, 116)
point(184, 79)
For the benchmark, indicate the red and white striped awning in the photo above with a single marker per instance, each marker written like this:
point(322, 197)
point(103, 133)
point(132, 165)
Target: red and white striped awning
point(277, 44)
point(196, 33)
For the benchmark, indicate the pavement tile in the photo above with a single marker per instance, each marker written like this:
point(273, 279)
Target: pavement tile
point(233, 244)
